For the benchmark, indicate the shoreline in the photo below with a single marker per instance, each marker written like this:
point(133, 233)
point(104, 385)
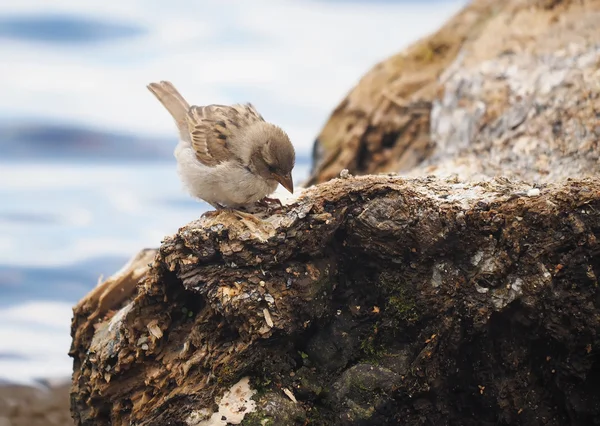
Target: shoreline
point(31, 405)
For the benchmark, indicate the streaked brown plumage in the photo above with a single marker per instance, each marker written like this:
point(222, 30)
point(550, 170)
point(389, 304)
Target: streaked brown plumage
point(228, 156)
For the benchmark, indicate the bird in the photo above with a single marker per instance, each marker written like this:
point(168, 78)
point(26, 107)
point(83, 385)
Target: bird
point(227, 155)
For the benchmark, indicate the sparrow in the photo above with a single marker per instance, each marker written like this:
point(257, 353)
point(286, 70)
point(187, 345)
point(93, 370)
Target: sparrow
point(228, 156)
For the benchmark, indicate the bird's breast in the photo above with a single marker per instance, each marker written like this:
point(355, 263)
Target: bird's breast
point(230, 183)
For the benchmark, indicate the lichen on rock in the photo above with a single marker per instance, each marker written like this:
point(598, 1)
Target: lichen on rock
point(503, 88)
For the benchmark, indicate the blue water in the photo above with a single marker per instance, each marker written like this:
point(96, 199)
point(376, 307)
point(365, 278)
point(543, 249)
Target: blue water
point(87, 176)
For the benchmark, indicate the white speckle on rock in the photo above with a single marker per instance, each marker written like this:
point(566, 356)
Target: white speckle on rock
point(285, 197)
point(501, 297)
point(289, 394)
point(437, 278)
point(545, 273)
point(345, 174)
point(155, 329)
point(480, 289)
point(118, 317)
point(268, 318)
point(550, 79)
point(490, 264)
point(516, 285)
point(533, 192)
point(233, 407)
point(477, 258)
point(185, 348)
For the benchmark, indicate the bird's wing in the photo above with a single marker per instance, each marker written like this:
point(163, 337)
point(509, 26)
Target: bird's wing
point(212, 126)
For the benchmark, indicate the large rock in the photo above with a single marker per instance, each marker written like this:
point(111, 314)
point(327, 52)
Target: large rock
point(507, 88)
point(442, 300)
point(369, 300)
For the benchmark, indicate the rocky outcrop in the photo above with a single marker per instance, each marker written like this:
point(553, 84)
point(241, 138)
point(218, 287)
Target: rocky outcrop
point(504, 88)
point(369, 300)
point(466, 298)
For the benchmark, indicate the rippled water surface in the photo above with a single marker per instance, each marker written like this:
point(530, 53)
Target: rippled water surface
point(87, 176)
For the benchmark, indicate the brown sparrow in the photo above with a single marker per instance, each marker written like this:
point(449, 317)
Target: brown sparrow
point(228, 156)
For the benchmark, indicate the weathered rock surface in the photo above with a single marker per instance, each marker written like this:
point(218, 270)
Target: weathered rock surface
point(507, 88)
point(368, 301)
point(453, 299)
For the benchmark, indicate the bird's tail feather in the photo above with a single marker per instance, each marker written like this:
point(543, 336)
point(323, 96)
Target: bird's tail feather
point(172, 100)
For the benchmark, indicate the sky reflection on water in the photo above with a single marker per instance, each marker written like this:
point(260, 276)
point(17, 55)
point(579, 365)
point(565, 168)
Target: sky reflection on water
point(87, 176)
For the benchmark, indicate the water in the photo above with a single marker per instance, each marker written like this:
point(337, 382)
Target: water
point(87, 176)
point(59, 233)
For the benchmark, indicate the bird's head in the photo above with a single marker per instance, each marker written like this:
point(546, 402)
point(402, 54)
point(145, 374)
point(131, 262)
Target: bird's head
point(273, 156)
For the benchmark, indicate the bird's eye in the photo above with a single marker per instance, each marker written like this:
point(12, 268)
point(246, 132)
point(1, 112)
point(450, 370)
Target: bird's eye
point(271, 168)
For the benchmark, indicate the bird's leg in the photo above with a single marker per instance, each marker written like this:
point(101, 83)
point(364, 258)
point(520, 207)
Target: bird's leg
point(212, 213)
point(247, 218)
point(270, 204)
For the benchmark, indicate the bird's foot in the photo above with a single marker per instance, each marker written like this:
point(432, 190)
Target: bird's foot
point(253, 223)
point(211, 213)
point(270, 204)
point(218, 209)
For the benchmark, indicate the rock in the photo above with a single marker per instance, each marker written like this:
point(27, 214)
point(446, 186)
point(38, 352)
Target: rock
point(545, 129)
point(504, 88)
point(464, 292)
point(391, 300)
point(333, 346)
point(366, 391)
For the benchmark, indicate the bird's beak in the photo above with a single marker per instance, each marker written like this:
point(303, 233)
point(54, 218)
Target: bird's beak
point(285, 181)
